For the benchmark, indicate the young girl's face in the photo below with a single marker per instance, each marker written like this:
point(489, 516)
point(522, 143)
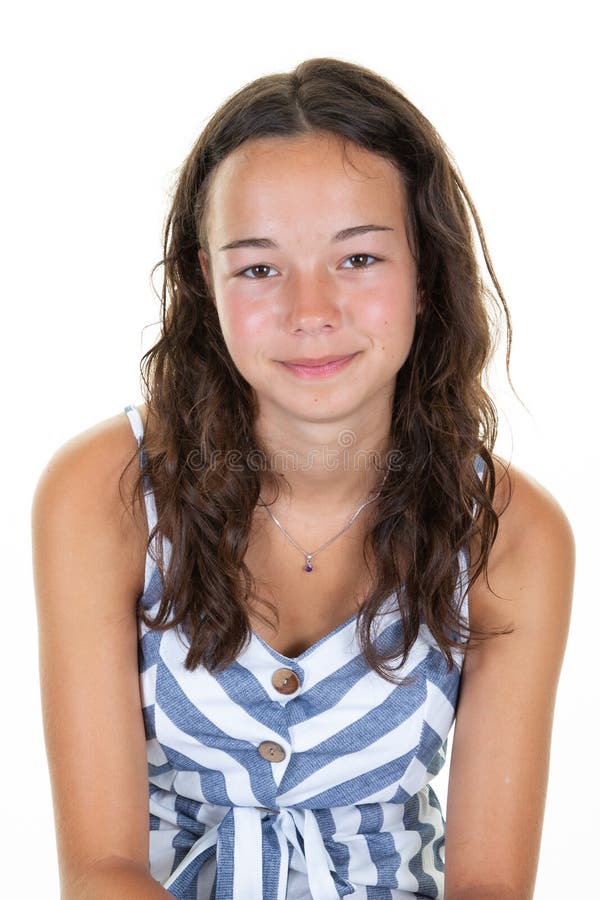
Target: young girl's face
point(294, 277)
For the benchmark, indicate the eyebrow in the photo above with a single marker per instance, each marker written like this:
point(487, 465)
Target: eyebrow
point(268, 243)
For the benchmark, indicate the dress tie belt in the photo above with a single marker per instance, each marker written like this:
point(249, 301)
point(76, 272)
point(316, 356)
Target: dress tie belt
point(253, 855)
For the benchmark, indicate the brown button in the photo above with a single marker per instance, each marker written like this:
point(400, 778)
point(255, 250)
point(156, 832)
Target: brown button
point(271, 751)
point(285, 681)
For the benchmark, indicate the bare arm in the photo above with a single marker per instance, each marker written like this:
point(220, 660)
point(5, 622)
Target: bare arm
point(115, 878)
point(88, 571)
point(486, 893)
point(501, 748)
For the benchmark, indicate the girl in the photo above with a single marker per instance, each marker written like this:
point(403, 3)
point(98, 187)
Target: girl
point(254, 644)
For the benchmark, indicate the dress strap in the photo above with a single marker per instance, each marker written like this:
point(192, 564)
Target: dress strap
point(479, 465)
point(135, 419)
point(137, 426)
point(461, 595)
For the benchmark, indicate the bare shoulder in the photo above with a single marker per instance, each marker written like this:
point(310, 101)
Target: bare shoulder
point(534, 536)
point(88, 543)
point(88, 484)
point(501, 749)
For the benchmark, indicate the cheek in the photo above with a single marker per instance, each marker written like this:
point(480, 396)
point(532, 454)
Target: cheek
point(243, 325)
point(390, 318)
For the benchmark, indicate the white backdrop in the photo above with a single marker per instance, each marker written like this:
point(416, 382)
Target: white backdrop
point(102, 103)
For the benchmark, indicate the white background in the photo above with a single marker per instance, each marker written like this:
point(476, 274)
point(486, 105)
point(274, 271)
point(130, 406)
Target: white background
point(102, 101)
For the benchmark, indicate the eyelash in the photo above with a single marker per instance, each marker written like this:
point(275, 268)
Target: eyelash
point(352, 256)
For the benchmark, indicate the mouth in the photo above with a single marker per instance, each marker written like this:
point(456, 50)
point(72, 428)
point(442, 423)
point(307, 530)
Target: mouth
point(318, 368)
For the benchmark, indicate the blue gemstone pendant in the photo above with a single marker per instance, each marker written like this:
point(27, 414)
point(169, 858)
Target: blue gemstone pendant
point(308, 567)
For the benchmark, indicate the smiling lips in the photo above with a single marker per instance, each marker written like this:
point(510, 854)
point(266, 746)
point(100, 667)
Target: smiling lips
point(318, 368)
point(322, 361)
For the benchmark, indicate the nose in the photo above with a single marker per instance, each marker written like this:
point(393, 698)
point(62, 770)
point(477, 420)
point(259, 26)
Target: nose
point(312, 303)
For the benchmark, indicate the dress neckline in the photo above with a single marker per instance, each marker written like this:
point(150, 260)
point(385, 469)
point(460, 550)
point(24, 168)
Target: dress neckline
point(326, 637)
point(308, 650)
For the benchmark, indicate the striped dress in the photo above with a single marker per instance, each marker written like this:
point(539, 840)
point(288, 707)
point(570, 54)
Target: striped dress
point(295, 777)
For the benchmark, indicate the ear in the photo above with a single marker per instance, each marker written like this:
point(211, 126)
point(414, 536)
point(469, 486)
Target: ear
point(204, 265)
point(204, 260)
point(420, 305)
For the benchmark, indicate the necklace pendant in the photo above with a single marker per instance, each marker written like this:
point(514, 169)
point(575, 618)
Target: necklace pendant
point(308, 567)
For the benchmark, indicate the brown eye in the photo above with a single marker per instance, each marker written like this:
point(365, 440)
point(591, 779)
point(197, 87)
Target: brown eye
point(362, 257)
point(259, 266)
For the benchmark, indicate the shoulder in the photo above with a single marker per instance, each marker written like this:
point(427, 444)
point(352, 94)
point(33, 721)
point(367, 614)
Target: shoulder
point(91, 460)
point(501, 747)
point(88, 566)
point(86, 487)
point(534, 546)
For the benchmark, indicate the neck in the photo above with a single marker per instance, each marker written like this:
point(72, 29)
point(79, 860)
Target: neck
point(325, 470)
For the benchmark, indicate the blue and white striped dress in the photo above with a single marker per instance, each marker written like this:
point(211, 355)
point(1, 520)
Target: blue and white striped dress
point(323, 792)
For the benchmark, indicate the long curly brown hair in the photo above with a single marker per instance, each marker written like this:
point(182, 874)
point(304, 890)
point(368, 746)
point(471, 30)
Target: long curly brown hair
point(432, 505)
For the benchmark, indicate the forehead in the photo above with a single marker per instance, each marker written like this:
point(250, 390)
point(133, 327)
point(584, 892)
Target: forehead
point(314, 175)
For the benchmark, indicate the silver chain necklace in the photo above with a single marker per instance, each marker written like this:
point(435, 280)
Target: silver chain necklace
point(308, 567)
